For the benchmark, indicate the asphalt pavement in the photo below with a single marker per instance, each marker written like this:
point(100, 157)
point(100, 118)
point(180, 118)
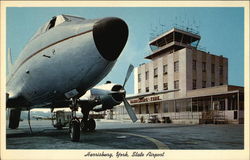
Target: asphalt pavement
point(128, 135)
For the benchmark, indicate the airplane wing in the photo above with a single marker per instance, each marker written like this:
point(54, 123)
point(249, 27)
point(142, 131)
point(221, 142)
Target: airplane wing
point(21, 103)
point(68, 103)
point(150, 93)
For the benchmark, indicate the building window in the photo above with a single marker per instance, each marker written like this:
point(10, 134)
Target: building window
point(165, 108)
point(147, 109)
point(147, 89)
point(221, 83)
point(194, 83)
point(213, 68)
point(177, 106)
point(146, 75)
point(204, 84)
point(156, 72)
point(212, 84)
point(203, 66)
point(165, 69)
point(139, 77)
point(139, 90)
point(155, 87)
point(176, 84)
point(194, 65)
point(176, 66)
point(221, 70)
point(156, 108)
point(165, 86)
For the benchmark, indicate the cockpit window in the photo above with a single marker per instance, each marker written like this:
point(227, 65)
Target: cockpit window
point(56, 21)
point(73, 18)
point(52, 23)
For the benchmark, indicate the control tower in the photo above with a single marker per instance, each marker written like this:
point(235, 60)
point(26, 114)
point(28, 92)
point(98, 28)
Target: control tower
point(172, 41)
point(177, 64)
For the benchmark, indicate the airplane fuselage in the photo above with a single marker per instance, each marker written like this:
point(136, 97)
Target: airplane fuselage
point(61, 63)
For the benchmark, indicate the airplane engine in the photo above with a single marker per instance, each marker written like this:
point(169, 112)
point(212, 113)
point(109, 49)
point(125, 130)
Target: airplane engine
point(111, 96)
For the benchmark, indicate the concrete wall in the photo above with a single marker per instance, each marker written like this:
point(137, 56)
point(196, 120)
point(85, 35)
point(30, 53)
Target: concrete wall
point(207, 76)
point(207, 91)
point(185, 75)
point(136, 80)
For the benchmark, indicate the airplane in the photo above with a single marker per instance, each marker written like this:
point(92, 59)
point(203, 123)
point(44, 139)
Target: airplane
point(63, 61)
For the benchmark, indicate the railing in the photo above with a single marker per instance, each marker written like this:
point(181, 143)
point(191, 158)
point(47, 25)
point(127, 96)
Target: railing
point(215, 116)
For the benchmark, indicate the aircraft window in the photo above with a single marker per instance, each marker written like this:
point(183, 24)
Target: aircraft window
point(73, 18)
point(52, 23)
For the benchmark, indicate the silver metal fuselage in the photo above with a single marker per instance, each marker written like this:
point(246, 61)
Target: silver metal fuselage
point(60, 60)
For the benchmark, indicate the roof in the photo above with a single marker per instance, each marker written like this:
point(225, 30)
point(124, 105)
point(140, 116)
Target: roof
point(215, 91)
point(175, 39)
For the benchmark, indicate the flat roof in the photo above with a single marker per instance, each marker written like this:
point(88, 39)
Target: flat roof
point(226, 89)
point(174, 30)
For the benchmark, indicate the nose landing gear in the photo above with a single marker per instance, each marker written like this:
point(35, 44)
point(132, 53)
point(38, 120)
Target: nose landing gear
point(74, 125)
point(74, 130)
point(86, 124)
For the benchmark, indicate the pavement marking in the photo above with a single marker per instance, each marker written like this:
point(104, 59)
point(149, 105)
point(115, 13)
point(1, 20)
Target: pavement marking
point(158, 143)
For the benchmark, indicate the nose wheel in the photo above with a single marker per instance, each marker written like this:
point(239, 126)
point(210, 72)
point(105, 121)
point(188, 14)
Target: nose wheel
point(74, 125)
point(74, 130)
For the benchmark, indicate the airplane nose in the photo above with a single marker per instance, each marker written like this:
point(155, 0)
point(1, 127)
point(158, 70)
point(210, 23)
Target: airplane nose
point(110, 36)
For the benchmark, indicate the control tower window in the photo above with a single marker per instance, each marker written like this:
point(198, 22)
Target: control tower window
point(52, 23)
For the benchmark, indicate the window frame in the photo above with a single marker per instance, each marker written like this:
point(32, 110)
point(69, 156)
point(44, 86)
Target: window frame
point(155, 72)
point(176, 66)
point(139, 77)
point(194, 84)
point(194, 65)
point(146, 75)
point(165, 69)
point(165, 86)
point(176, 84)
point(204, 66)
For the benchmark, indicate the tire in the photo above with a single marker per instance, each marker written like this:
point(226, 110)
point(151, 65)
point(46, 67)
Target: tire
point(84, 126)
point(91, 124)
point(75, 131)
point(14, 118)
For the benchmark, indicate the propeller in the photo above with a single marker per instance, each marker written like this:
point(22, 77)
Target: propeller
point(128, 107)
point(130, 111)
point(130, 70)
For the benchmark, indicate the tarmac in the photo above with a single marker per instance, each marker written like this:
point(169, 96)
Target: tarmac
point(128, 135)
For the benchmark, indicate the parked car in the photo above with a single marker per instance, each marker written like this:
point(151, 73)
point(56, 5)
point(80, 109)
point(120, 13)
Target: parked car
point(153, 119)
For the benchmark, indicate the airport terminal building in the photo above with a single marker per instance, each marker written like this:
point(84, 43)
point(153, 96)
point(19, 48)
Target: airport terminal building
point(193, 84)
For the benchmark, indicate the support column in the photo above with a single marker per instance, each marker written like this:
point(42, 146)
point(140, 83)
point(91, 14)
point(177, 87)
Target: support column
point(226, 104)
point(203, 104)
point(192, 108)
point(212, 103)
point(174, 110)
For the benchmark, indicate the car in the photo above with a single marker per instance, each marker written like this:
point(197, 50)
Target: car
point(153, 119)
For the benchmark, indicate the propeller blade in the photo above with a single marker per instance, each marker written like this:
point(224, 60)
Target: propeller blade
point(130, 111)
point(130, 69)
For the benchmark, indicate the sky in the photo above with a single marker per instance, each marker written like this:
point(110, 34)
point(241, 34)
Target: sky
point(221, 31)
